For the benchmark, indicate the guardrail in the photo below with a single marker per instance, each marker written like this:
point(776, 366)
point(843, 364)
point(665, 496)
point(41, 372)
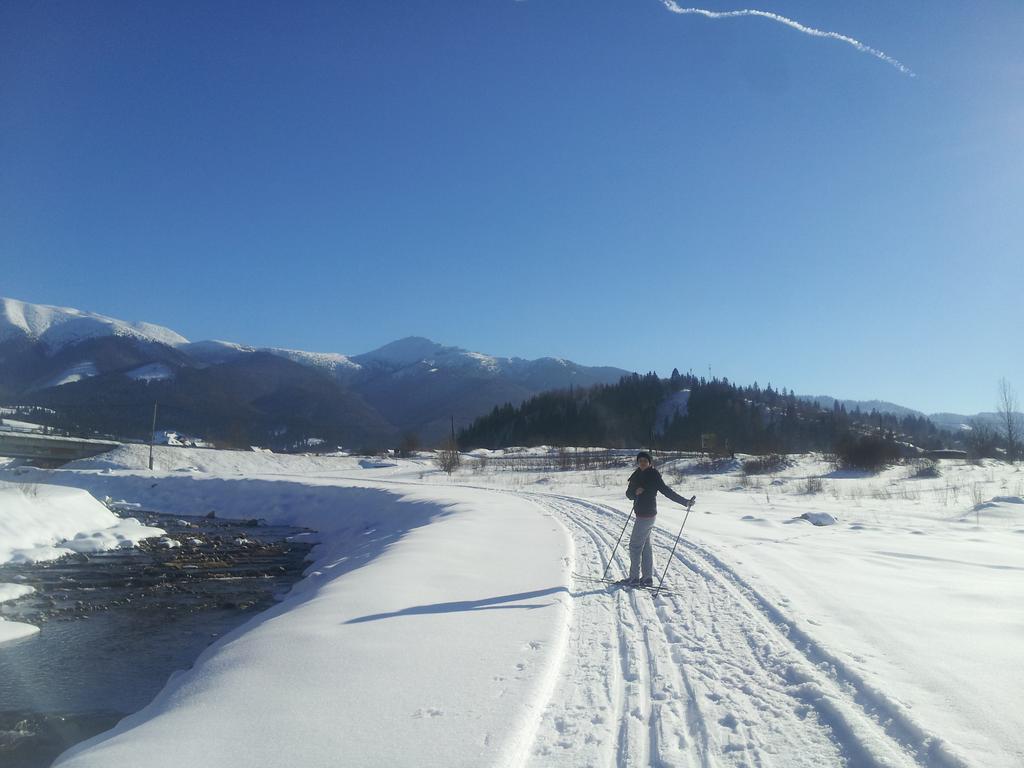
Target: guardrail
point(50, 448)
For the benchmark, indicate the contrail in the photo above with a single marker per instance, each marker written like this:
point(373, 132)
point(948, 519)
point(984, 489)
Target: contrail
point(674, 7)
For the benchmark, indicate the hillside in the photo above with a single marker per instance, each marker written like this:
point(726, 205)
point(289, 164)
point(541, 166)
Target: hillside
point(688, 413)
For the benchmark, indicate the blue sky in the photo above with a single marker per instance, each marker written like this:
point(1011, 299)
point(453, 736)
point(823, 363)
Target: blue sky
point(603, 181)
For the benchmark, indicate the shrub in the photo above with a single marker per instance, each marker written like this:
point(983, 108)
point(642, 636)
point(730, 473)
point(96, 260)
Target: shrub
point(764, 465)
point(710, 466)
point(868, 452)
point(925, 469)
point(447, 457)
point(409, 445)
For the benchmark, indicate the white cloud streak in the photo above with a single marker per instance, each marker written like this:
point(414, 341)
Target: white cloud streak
point(674, 7)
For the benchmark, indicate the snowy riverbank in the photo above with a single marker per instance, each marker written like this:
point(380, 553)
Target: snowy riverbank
point(400, 645)
point(45, 522)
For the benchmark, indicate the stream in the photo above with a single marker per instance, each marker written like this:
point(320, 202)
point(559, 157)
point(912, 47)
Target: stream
point(115, 625)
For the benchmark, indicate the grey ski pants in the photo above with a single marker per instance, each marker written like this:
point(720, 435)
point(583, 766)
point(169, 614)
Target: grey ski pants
point(640, 556)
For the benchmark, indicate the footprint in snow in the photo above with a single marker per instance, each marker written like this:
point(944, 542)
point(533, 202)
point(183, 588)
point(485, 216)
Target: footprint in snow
point(428, 712)
point(729, 721)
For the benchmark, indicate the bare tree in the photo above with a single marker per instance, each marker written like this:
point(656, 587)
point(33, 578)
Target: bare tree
point(1009, 420)
point(409, 445)
point(448, 458)
point(982, 440)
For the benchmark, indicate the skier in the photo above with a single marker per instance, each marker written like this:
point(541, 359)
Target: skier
point(644, 484)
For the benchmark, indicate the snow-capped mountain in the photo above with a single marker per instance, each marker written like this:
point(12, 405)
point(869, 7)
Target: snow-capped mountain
point(58, 327)
point(80, 360)
point(108, 372)
point(418, 355)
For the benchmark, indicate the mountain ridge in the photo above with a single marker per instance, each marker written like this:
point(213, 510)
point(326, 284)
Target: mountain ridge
point(412, 385)
point(60, 356)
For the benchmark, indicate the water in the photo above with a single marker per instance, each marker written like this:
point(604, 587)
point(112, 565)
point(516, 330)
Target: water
point(114, 626)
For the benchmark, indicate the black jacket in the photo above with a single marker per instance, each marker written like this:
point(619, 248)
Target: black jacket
point(646, 503)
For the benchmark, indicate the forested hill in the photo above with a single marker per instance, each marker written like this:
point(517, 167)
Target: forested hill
point(680, 412)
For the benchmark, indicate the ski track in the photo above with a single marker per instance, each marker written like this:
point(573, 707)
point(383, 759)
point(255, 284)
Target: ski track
point(713, 675)
point(753, 688)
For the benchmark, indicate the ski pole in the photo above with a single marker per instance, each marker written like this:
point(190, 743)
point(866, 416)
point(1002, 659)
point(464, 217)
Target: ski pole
point(630, 515)
point(672, 553)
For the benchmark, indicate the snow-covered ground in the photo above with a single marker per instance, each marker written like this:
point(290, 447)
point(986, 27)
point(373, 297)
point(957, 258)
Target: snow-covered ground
point(440, 623)
point(13, 425)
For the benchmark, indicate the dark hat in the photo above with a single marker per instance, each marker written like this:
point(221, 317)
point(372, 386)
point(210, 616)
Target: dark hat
point(645, 455)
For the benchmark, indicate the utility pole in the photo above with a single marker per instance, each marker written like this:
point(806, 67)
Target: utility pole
point(152, 437)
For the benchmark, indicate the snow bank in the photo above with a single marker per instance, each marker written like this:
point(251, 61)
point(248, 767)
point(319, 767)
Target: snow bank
point(10, 592)
point(47, 522)
point(15, 630)
point(40, 522)
point(1008, 499)
point(375, 464)
point(818, 518)
point(215, 462)
point(1006, 508)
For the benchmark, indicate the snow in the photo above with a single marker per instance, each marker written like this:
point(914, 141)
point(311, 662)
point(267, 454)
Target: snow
point(407, 351)
point(376, 464)
point(151, 372)
point(440, 623)
point(329, 361)
point(43, 522)
point(428, 618)
point(75, 373)
point(173, 437)
point(487, 362)
point(10, 592)
point(57, 327)
point(212, 462)
point(818, 518)
point(417, 350)
point(10, 631)
point(13, 425)
point(15, 630)
point(215, 351)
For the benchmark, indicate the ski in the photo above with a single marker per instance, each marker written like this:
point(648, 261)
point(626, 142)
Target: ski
point(616, 583)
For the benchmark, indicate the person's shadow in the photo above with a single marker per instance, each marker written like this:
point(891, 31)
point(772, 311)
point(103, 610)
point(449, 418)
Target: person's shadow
point(485, 604)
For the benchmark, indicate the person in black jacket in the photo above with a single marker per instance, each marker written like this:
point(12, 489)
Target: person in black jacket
point(643, 488)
